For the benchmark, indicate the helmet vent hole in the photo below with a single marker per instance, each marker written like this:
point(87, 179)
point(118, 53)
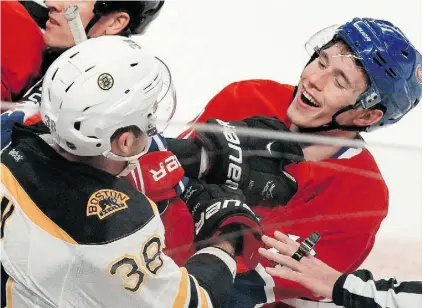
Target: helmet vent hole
point(86, 108)
point(73, 55)
point(390, 74)
point(405, 53)
point(134, 64)
point(127, 91)
point(89, 68)
point(393, 72)
point(77, 125)
point(377, 62)
point(54, 75)
point(98, 145)
point(70, 145)
point(380, 57)
point(67, 89)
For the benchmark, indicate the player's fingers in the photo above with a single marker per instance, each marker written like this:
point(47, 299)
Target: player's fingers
point(280, 259)
point(285, 239)
point(283, 272)
point(283, 248)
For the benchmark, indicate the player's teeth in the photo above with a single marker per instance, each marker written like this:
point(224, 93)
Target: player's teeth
point(309, 97)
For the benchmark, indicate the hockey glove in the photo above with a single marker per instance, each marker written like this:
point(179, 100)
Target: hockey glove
point(159, 176)
point(253, 164)
point(220, 211)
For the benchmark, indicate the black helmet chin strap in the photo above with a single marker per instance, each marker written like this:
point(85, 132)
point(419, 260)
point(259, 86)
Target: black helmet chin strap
point(335, 125)
point(92, 22)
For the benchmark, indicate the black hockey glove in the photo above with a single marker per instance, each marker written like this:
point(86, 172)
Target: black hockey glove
point(220, 212)
point(253, 164)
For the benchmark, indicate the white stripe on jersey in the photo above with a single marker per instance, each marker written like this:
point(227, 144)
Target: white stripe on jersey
point(224, 256)
point(351, 152)
point(159, 143)
point(181, 185)
point(200, 293)
point(269, 285)
point(140, 178)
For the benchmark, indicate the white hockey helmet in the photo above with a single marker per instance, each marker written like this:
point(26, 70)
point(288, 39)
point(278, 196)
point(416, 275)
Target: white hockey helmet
point(101, 85)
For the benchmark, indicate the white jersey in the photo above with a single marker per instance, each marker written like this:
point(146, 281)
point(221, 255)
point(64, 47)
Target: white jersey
point(74, 236)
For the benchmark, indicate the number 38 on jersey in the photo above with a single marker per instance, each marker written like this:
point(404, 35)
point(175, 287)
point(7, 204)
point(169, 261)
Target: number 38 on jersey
point(133, 269)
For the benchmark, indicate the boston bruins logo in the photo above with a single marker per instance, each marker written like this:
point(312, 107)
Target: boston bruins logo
point(105, 202)
point(105, 81)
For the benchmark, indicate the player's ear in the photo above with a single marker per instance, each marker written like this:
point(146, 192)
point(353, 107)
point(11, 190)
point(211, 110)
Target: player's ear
point(122, 145)
point(116, 22)
point(367, 117)
point(110, 24)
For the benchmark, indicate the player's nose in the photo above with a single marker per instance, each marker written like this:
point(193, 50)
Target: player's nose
point(57, 6)
point(318, 80)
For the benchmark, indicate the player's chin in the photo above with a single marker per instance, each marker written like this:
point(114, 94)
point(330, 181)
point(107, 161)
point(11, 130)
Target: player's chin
point(56, 39)
point(304, 119)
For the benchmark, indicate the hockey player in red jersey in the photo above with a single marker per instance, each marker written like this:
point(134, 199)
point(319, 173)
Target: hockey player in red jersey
point(365, 76)
point(22, 47)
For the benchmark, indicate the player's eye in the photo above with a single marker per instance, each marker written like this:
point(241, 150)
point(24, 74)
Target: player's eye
point(322, 65)
point(339, 85)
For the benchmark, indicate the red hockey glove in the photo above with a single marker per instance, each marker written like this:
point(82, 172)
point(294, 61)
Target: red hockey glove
point(158, 175)
point(219, 210)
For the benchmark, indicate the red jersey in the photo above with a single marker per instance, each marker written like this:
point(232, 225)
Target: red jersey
point(344, 198)
point(22, 47)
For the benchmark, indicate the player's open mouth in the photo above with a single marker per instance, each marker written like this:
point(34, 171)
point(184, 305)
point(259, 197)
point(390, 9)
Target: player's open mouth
point(309, 100)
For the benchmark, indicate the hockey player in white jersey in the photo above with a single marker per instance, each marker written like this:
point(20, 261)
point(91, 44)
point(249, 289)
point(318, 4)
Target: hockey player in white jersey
point(75, 235)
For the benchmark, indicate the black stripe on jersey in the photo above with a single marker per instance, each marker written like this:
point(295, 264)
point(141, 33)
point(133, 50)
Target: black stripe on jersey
point(390, 284)
point(338, 290)
point(193, 301)
point(4, 217)
point(355, 300)
point(4, 278)
point(4, 203)
point(208, 269)
point(5, 213)
point(62, 190)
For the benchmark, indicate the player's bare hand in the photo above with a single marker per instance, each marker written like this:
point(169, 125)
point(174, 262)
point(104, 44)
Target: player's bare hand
point(312, 273)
